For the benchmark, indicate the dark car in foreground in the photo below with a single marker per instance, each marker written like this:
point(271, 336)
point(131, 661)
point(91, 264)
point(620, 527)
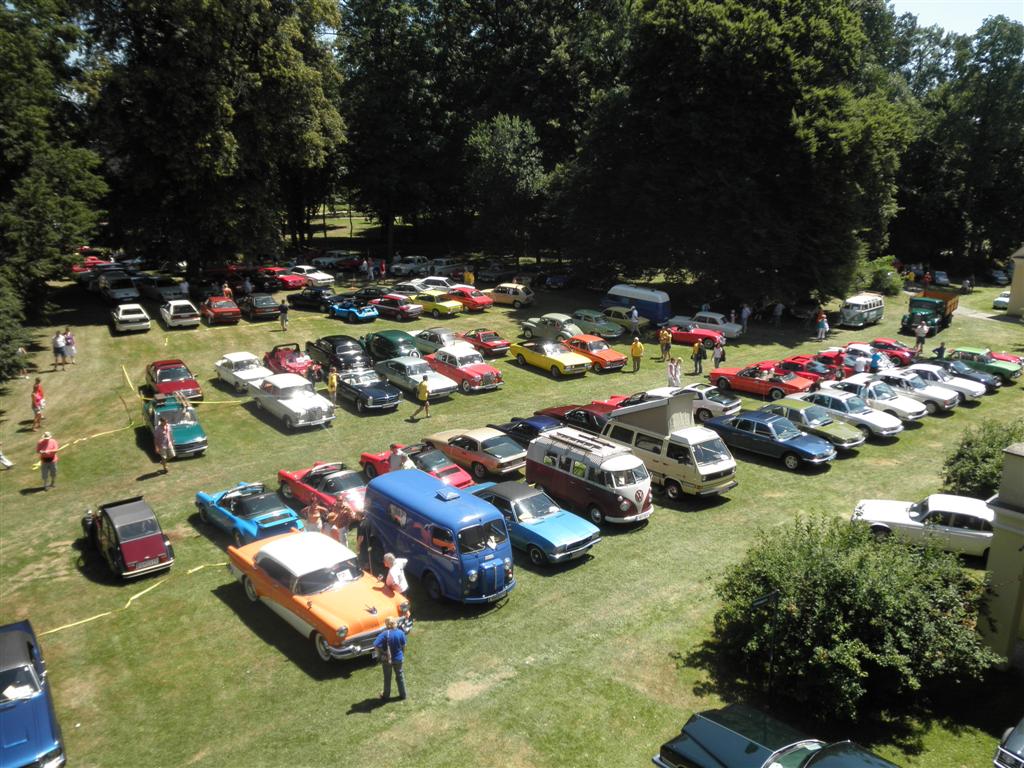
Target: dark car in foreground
point(259, 306)
point(313, 299)
point(771, 435)
point(336, 351)
point(525, 430)
point(129, 537)
point(1010, 752)
point(365, 390)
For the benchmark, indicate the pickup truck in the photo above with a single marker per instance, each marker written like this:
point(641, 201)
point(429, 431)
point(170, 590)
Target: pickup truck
point(933, 306)
point(712, 321)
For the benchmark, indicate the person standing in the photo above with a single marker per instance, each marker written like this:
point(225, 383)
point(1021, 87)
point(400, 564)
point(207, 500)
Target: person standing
point(665, 340)
point(732, 316)
point(22, 355)
point(184, 288)
point(822, 325)
point(940, 351)
point(332, 385)
point(225, 290)
point(246, 286)
point(382, 272)
point(875, 363)
point(398, 459)
point(423, 395)
point(674, 375)
point(364, 536)
point(636, 353)
point(38, 404)
point(163, 439)
point(745, 313)
point(342, 517)
point(390, 645)
point(70, 346)
point(395, 579)
point(634, 321)
point(283, 316)
point(58, 344)
point(718, 354)
point(920, 334)
point(697, 354)
point(777, 314)
point(47, 449)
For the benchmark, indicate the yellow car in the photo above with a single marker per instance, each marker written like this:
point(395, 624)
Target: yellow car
point(549, 356)
point(620, 316)
point(437, 305)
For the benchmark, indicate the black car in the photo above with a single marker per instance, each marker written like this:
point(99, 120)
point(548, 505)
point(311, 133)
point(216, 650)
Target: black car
point(964, 371)
point(367, 391)
point(1010, 752)
point(312, 299)
point(341, 352)
point(525, 430)
point(366, 294)
point(259, 306)
point(386, 345)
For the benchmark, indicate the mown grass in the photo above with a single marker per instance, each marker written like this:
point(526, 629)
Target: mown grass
point(583, 665)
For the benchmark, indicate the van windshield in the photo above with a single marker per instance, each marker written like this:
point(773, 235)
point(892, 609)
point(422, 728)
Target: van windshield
point(477, 538)
point(710, 452)
point(623, 477)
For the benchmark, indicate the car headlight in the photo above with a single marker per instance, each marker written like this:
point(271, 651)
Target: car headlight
point(471, 577)
point(52, 759)
point(342, 631)
point(369, 399)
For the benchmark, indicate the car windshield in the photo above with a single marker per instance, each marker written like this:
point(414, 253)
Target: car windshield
point(623, 477)
point(815, 367)
point(474, 293)
point(120, 284)
point(882, 391)
point(183, 309)
point(501, 446)
point(263, 301)
point(856, 405)
point(433, 461)
point(717, 397)
point(260, 504)
point(488, 336)
point(477, 538)
point(343, 481)
point(920, 509)
point(795, 755)
point(247, 364)
point(469, 359)
point(290, 393)
point(915, 381)
point(785, 430)
point(18, 683)
point(363, 379)
point(179, 373)
point(548, 349)
point(817, 416)
point(597, 346)
point(536, 507)
point(710, 452)
point(961, 367)
point(179, 415)
point(222, 304)
point(137, 530)
point(324, 579)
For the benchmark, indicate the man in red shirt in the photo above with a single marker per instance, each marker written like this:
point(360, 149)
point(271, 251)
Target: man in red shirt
point(47, 449)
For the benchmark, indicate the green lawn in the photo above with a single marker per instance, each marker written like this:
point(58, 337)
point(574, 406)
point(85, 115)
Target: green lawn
point(583, 665)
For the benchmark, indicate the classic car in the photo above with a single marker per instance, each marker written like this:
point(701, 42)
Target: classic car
point(483, 451)
point(1010, 752)
point(247, 512)
point(342, 352)
point(407, 372)
point(407, 288)
point(590, 418)
point(352, 312)
point(384, 345)
point(738, 736)
point(325, 481)
point(815, 420)
point(772, 435)
point(897, 351)
point(289, 358)
point(220, 309)
point(240, 369)
point(961, 370)
point(594, 348)
point(712, 321)
point(525, 430)
point(806, 367)
point(465, 366)
point(115, 289)
point(553, 325)
point(967, 387)
point(129, 317)
point(259, 306)
point(28, 722)
point(620, 316)
point(179, 314)
point(160, 288)
point(432, 339)
point(291, 398)
point(439, 283)
point(128, 537)
point(935, 397)
point(366, 294)
point(316, 585)
point(367, 391)
point(537, 525)
point(853, 410)
point(495, 271)
point(708, 401)
point(1008, 357)
point(837, 360)
point(187, 433)
point(487, 342)
point(313, 277)
point(981, 359)
point(311, 299)
point(471, 299)
point(594, 322)
point(1002, 301)
point(549, 356)
point(761, 381)
point(397, 307)
point(168, 377)
point(410, 265)
point(857, 349)
point(514, 294)
point(688, 334)
point(955, 523)
point(423, 457)
point(880, 396)
point(437, 304)
point(999, 276)
point(282, 278)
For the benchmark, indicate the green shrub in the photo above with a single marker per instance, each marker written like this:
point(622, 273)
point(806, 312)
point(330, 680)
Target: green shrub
point(974, 466)
point(880, 275)
point(862, 626)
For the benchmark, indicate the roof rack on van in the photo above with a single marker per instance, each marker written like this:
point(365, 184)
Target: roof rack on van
point(582, 440)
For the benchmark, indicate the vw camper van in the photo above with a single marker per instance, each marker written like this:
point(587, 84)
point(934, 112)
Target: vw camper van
point(862, 309)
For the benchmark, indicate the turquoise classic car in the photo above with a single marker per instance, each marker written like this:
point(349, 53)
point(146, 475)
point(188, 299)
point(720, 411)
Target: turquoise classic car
point(186, 431)
point(594, 322)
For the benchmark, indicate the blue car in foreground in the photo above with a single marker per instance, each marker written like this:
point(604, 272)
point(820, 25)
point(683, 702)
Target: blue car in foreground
point(537, 525)
point(29, 732)
point(351, 312)
point(247, 512)
point(525, 430)
point(773, 436)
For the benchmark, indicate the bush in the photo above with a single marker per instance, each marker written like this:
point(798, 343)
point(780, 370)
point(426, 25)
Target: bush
point(861, 626)
point(880, 275)
point(974, 467)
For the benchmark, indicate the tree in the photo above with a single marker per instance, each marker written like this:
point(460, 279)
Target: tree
point(974, 467)
point(859, 627)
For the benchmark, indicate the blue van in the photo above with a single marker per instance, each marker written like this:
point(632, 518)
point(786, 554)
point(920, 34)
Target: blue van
point(457, 545)
point(654, 305)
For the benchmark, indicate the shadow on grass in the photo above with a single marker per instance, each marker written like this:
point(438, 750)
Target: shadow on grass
point(523, 563)
point(688, 503)
point(92, 565)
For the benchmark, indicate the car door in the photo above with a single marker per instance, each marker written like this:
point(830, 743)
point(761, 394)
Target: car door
point(464, 450)
point(969, 535)
point(749, 382)
point(763, 440)
point(937, 527)
point(742, 434)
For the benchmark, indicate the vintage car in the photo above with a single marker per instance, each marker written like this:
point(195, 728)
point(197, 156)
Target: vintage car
point(289, 358)
point(981, 359)
point(169, 377)
point(259, 306)
point(179, 314)
point(437, 304)
point(410, 265)
point(425, 458)
point(487, 342)
point(815, 420)
point(160, 288)
point(525, 430)
point(880, 396)
point(594, 348)
point(312, 277)
point(316, 585)
point(438, 283)
point(129, 537)
point(955, 523)
point(247, 512)
point(366, 294)
point(1010, 752)
point(967, 387)
point(549, 356)
point(325, 481)
point(1008, 357)
point(367, 391)
point(857, 349)
point(282, 278)
point(352, 312)
point(129, 317)
point(934, 397)
point(837, 360)
point(471, 299)
point(1002, 301)
point(537, 525)
point(341, 352)
point(313, 299)
point(483, 451)
point(853, 410)
point(620, 316)
point(220, 309)
point(28, 722)
point(760, 380)
point(712, 321)
point(772, 435)
point(465, 366)
point(407, 288)
point(513, 294)
point(384, 345)
point(240, 369)
point(553, 325)
point(187, 434)
point(407, 372)
point(589, 418)
point(397, 307)
point(806, 367)
point(709, 401)
point(291, 398)
point(688, 334)
point(432, 339)
point(896, 350)
point(594, 322)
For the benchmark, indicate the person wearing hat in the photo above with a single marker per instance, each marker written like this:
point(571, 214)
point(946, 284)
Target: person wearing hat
point(163, 439)
point(47, 449)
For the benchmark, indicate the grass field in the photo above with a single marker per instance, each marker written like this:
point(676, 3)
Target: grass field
point(583, 665)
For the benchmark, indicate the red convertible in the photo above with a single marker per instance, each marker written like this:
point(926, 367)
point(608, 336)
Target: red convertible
point(760, 380)
point(470, 298)
point(423, 457)
point(326, 482)
point(688, 333)
point(807, 367)
point(463, 364)
point(895, 350)
point(284, 278)
point(487, 342)
point(219, 309)
point(288, 358)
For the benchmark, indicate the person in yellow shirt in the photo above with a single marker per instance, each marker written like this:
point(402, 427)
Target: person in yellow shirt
point(332, 385)
point(636, 351)
point(665, 340)
point(423, 395)
point(468, 277)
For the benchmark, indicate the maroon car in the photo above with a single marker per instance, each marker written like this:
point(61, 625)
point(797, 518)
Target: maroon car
point(288, 358)
point(590, 418)
point(397, 307)
point(129, 537)
point(220, 309)
point(487, 342)
point(169, 377)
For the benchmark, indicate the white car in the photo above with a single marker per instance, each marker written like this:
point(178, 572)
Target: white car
point(408, 288)
point(712, 321)
point(161, 288)
point(708, 400)
point(129, 317)
point(437, 283)
point(880, 396)
point(967, 389)
point(291, 398)
point(314, 277)
point(853, 410)
point(866, 351)
point(118, 289)
point(446, 265)
point(934, 396)
point(1002, 301)
point(955, 523)
point(410, 265)
point(179, 314)
point(407, 373)
point(240, 369)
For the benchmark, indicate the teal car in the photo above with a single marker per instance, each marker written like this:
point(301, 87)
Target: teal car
point(981, 359)
point(186, 432)
point(594, 322)
point(814, 420)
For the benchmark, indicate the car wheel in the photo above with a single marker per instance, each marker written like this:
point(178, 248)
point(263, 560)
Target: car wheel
point(984, 557)
point(702, 414)
point(723, 383)
point(673, 490)
point(370, 471)
point(323, 650)
point(865, 430)
point(259, 404)
point(360, 408)
point(527, 333)
point(595, 514)
point(776, 394)
point(433, 587)
point(931, 407)
point(536, 556)
point(792, 461)
point(202, 513)
point(555, 373)
point(517, 304)
point(435, 314)
point(250, 589)
point(464, 386)
point(479, 471)
point(240, 387)
point(521, 361)
point(881, 534)
point(236, 537)
point(286, 491)
point(708, 343)
point(595, 367)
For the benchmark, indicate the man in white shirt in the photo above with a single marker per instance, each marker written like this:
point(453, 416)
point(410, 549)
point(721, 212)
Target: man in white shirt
point(395, 579)
point(398, 459)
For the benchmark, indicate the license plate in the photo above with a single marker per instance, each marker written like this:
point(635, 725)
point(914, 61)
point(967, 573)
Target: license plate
point(148, 563)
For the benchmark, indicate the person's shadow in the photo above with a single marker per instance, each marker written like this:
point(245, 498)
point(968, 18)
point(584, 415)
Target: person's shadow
point(366, 706)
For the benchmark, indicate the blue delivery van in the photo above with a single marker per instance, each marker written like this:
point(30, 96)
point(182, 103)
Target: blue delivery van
point(654, 305)
point(456, 544)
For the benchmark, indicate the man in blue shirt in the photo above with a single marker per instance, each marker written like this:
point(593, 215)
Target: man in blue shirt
point(390, 645)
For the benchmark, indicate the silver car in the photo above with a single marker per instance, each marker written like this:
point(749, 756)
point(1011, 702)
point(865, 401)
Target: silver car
point(292, 399)
point(430, 340)
point(880, 396)
point(407, 373)
point(955, 523)
point(853, 410)
point(240, 369)
point(934, 397)
point(935, 374)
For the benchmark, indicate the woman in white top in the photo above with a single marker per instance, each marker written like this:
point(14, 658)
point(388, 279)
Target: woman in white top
point(396, 573)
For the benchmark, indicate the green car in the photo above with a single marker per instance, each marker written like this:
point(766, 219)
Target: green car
point(980, 359)
point(186, 433)
point(594, 322)
point(815, 420)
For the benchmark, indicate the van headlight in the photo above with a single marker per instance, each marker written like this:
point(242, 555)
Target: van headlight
point(471, 577)
point(624, 505)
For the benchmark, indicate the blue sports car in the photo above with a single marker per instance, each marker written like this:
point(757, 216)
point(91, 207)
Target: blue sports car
point(771, 435)
point(247, 512)
point(31, 734)
point(537, 525)
point(351, 312)
point(523, 431)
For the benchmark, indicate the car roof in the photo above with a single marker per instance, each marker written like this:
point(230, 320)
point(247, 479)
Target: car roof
point(392, 335)
point(439, 329)
point(588, 337)
point(336, 339)
point(306, 551)
point(796, 405)
point(478, 433)
point(759, 416)
point(972, 350)
point(512, 490)
point(166, 363)
point(128, 511)
point(178, 302)
point(416, 490)
point(735, 735)
point(541, 422)
point(234, 357)
point(14, 640)
point(459, 348)
point(408, 360)
point(130, 306)
point(286, 379)
point(948, 502)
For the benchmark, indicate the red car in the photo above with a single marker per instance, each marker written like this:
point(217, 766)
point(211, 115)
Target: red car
point(463, 364)
point(895, 350)
point(760, 380)
point(219, 309)
point(487, 342)
point(285, 279)
point(397, 307)
point(424, 457)
point(837, 360)
point(688, 333)
point(168, 377)
point(470, 298)
point(807, 367)
point(590, 418)
point(88, 263)
point(288, 358)
point(596, 350)
point(1007, 357)
point(326, 482)
point(129, 537)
